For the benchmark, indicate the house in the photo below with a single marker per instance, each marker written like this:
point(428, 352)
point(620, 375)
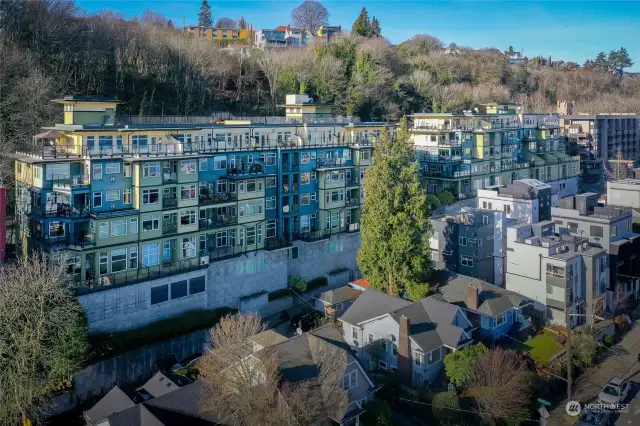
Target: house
point(128, 407)
point(525, 200)
point(265, 339)
point(338, 300)
point(497, 312)
point(410, 337)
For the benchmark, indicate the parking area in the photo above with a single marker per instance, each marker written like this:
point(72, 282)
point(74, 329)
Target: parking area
point(630, 416)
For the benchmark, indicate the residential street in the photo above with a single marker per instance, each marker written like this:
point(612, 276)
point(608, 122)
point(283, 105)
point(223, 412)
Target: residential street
point(587, 387)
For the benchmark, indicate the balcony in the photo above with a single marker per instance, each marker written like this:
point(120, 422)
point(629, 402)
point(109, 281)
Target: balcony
point(169, 177)
point(218, 222)
point(217, 197)
point(62, 210)
point(169, 229)
point(294, 167)
point(295, 208)
point(311, 236)
point(331, 162)
point(68, 183)
point(352, 201)
point(290, 187)
point(352, 181)
point(353, 227)
point(275, 243)
point(254, 168)
point(169, 203)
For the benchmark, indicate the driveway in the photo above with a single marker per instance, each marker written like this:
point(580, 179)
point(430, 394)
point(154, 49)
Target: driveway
point(587, 387)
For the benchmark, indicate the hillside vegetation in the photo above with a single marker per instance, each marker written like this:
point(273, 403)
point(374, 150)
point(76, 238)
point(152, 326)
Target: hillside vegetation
point(50, 48)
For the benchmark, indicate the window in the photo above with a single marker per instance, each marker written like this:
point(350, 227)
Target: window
point(507, 209)
point(313, 196)
point(382, 365)
point(271, 228)
point(150, 196)
point(354, 332)
point(202, 164)
point(334, 196)
point(500, 319)
point(254, 185)
point(219, 162)
point(485, 218)
point(573, 227)
point(221, 239)
point(133, 258)
point(271, 203)
point(466, 260)
point(126, 170)
point(260, 238)
point(188, 192)
point(304, 199)
point(370, 339)
point(126, 196)
point(383, 345)
point(596, 231)
point(196, 285)
point(150, 170)
point(434, 356)
point(188, 167)
point(417, 359)
point(188, 217)
point(112, 168)
point(97, 171)
point(251, 208)
point(304, 223)
point(268, 159)
point(119, 260)
point(133, 225)
point(97, 199)
point(103, 261)
point(555, 271)
point(394, 349)
point(159, 294)
point(56, 229)
point(271, 182)
point(313, 175)
point(463, 241)
point(304, 158)
point(304, 178)
point(188, 247)
point(104, 230)
point(150, 223)
point(113, 195)
point(613, 231)
point(119, 227)
point(251, 235)
point(350, 381)
point(178, 289)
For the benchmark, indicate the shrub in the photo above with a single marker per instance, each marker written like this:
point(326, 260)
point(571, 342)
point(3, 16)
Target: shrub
point(279, 294)
point(433, 201)
point(377, 413)
point(446, 198)
point(317, 283)
point(445, 408)
point(608, 341)
point(297, 283)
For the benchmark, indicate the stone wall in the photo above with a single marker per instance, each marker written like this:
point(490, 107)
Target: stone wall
point(226, 282)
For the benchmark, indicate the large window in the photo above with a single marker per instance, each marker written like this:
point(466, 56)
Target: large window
point(97, 199)
point(271, 203)
point(97, 171)
point(188, 167)
point(119, 260)
point(596, 231)
point(104, 230)
point(573, 227)
point(150, 223)
point(268, 159)
point(466, 260)
point(113, 195)
point(332, 197)
point(251, 235)
point(434, 356)
point(221, 239)
point(133, 225)
point(555, 271)
point(150, 170)
point(251, 208)
point(304, 223)
point(133, 258)
point(202, 164)
point(126, 196)
point(188, 217)
point(150, 254)
point(220, 163)
point(271, 182)
point(417, 358)
point(254, 185)
point(305, 178)
point(112, 168)
point(271, 228)
point(119, 227)
point(188, 247)
point(150, 196)
point(56, 229)
point(304, 199)
point(188, 192)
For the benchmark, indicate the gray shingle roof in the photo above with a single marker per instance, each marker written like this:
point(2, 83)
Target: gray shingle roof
point(492, 300)
point(339, 295)
point(372, 304)
point(164, 383)
point(114, 401)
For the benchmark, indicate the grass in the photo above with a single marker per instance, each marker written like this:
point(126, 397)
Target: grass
point(107, 345)
point(541, 347)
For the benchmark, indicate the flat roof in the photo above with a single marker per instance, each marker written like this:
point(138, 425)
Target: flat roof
point(88, 99)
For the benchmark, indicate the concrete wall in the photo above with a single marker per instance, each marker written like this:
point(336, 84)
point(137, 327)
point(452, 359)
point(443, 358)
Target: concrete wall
point(226, 283)
point(623, 194)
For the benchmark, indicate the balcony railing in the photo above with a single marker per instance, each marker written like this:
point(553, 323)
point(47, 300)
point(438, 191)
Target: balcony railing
point(171, 228)
point(248, 169)
point(274, 243)
point(169, 177)
point(331, 162)
point(293, 187)
point(352, 201)
point(352, 181)
point(69, 182)
point(293, 167)
point(217, 197)
point(62, 210)
point(169, 203)
point(311, 236)
point(218, 221)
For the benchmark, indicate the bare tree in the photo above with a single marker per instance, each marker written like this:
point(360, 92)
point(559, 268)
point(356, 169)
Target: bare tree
point(500, 385)
point(310, 15)
point(226, 23)
point(271, 62)
point(42, 335)
point(243, 387)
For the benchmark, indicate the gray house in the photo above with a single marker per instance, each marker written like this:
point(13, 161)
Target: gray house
point(339, 299)
point(397, 334)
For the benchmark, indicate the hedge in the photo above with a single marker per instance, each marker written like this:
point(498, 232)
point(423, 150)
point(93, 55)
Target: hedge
point(106, 345)
point(317, 283)
point(279, 294)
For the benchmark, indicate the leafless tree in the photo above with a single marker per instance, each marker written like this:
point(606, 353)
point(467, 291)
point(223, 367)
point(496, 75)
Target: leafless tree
point(226, 23)
point(245, 388)
point(42, 335)
point(271, 62)
point(310, 15)
point(500, 385)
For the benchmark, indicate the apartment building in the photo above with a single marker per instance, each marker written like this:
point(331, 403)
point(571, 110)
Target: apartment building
point(562, 274)
point(624, 193)
point(610, 228)
point(525, 200)
point(158, 219)
point(212, 33)
point(470, 150)
point(282, 36)
point(470, 243)
point(601, 136)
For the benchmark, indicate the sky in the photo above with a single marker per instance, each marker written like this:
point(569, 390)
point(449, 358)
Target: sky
point(566, 30)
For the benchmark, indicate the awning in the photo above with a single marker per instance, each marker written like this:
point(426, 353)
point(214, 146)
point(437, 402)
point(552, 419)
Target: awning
point(50, 134)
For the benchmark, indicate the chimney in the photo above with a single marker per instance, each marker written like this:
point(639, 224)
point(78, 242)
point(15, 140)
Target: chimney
point(404, 351)
point(472, 296)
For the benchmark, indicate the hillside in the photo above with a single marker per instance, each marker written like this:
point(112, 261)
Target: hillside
point(50, 50)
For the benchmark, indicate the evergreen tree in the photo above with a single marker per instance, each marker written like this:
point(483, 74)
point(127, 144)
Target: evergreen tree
point(242, 23)
point(618, 60)
point(204, 16)
point(601, 63)
point(395, 254)
point(376, 31)
point(362, 25)
point(509, 51)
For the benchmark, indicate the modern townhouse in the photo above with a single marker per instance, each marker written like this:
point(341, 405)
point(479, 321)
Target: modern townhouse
point(470, 243)
point(158, 219)
point(524, 201)
point(498, 313)
point(470, 150)
point(609, 228)
point(562, 274)
point(397, 334)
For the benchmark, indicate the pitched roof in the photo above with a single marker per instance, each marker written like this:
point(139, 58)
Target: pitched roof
point(267, 338)
point(116, 400)
point(163, 383)
point(362, 283)
point(281, 28)
point(339, 295)
point(372, 304)
point(492, 300)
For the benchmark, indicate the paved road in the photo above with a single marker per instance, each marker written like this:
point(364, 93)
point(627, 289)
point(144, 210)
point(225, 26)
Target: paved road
point(587, 387)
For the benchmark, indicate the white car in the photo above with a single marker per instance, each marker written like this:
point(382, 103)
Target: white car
point(615, 392)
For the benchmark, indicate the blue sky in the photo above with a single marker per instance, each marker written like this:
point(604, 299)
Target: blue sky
point(568, 30)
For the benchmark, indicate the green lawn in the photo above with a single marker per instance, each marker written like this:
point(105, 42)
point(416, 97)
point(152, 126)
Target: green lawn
point(541, 347)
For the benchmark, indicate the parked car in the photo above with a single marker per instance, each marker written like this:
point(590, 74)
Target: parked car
point(595, 418)
point(615, 392)
point(187, 362)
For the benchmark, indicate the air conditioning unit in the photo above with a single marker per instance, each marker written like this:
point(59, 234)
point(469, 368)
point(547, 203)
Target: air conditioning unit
point(565, 248)
point(204, 260)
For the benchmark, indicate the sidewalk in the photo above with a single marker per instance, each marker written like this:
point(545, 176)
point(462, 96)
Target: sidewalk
point(587, 387)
